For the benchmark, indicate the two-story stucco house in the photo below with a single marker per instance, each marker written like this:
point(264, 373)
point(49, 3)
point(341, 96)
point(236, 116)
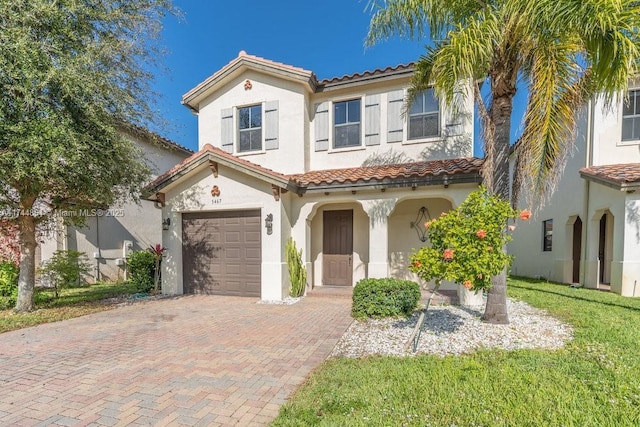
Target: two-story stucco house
point(111, 234)
point(334, 164)
point(589, 232)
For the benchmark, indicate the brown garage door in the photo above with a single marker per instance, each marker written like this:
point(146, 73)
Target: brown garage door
point(221, 253)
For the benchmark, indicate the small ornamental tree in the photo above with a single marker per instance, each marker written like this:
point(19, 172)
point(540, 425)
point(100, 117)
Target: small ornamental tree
point(158, 252)
point(467, 243)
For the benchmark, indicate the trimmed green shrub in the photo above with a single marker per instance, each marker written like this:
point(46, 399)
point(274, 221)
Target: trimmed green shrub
point(384, 298)
point(8, 284)
point(66, 269)
point(297, 271)
point(141, 268)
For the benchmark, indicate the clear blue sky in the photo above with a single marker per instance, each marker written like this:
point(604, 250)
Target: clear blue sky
point(326, 37)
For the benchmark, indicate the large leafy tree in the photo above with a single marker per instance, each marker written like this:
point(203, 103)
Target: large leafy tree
point(562, 51)
point(72, 74)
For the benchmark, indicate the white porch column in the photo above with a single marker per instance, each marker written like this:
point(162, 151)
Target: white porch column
point(301, 234)
point(378, 212)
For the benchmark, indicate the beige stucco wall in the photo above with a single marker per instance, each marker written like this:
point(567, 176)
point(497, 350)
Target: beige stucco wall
point(566, 203)
point(577, 197)
point(458, 143)
point(296, 152)
point(607, 137)
point(403, 239)
point(289, 157)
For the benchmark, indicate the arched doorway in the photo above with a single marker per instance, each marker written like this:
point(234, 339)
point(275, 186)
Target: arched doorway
point(576, 249)
point(605, 249)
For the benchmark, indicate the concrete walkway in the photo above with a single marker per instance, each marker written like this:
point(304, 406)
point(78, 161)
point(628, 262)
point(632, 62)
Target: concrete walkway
point(194, 360)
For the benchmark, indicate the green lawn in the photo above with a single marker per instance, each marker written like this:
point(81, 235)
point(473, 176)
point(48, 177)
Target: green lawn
point(71, 303)
point(594, 381)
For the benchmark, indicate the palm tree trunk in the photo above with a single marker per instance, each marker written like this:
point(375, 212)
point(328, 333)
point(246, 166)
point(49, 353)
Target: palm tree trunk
point(503, 89)
point(26, 278)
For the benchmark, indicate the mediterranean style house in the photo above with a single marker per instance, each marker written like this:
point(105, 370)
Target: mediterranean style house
point(337, 165)
point(111, 234)
point(589, 232)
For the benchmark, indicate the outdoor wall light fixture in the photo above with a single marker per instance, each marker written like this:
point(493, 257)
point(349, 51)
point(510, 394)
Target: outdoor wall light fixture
point(268, 223)
point(422, 217)
point(166, 223)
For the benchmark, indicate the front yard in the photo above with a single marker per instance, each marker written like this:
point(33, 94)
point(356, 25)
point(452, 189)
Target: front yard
point(72, 302)
point(593, 381)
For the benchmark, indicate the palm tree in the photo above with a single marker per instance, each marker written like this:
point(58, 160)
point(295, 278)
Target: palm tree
point(562, 51)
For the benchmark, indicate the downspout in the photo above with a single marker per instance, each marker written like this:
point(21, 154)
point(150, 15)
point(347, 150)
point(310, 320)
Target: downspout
point(587, 187)
point(97, 278)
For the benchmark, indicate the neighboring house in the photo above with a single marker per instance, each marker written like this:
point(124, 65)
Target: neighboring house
point(334, 164)
point(110, 234)
point(589, 231)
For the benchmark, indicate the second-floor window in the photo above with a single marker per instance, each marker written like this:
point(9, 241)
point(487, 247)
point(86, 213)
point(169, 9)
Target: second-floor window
point(346, 118)
point(250, 128)
point(631, 117)
point(424, 116)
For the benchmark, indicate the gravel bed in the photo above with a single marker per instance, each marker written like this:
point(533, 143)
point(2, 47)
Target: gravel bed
point(285, 301)
point(453, 330)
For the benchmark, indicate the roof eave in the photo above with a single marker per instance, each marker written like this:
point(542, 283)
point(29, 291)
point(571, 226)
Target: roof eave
point(628, 187)
point(192, 98)
point(196, 163)
point(359, 81)
point(378, 184)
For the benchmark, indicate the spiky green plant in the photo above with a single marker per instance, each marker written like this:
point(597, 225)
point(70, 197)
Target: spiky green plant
point(297, 270)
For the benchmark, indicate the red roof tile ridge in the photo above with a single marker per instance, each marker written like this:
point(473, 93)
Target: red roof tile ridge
point(236, 159)
point(207, 149)
point(367, 173)
point(244, 54)
point(366, 73)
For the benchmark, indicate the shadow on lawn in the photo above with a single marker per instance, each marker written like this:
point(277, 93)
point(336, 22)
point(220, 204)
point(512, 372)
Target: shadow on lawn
point(575, 297)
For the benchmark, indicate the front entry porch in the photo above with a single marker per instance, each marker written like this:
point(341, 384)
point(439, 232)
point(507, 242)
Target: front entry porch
point(350, 240)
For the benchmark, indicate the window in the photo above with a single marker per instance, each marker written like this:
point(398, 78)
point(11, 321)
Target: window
point(547, 235)
point(631, 117)
point(346, 119)
point(424, 116)
point(250, 128)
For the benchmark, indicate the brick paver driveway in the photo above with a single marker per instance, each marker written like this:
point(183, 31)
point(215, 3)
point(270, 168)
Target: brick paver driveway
point(197, 360)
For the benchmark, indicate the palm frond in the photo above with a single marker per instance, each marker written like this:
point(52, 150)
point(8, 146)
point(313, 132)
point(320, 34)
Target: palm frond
point(418, 18)
point(450, 67)
point(557, 88)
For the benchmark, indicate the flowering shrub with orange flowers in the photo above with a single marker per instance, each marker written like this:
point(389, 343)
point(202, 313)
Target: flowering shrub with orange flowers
point(466, 244)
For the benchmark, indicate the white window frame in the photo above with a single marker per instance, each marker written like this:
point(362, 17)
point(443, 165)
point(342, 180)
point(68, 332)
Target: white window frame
point(332, 136)
point(238, 130)
point(634, 141)
point(423, 138)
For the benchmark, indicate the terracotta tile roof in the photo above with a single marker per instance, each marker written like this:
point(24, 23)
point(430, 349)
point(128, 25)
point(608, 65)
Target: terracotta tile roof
point(617, 175)
point(383, 173)
point(243, 54)
point(209, 152)
point(368, 73)
point(400, 175)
